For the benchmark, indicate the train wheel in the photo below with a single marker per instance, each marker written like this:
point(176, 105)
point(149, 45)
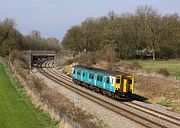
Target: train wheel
point(113, 96)
point(97, 90)
point(103, 91)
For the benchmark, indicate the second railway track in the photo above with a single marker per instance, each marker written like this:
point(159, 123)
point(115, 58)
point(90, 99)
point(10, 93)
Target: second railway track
point(140, 119)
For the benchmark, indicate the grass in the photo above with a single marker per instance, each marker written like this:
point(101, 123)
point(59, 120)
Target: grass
point(168, 100)
point(16, 109)
point(173, 66)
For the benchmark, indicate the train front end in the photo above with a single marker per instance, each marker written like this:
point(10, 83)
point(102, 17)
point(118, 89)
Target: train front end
point(124, 85)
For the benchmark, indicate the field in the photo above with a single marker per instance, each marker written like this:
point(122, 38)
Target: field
point(16, 110)
point(173, 66)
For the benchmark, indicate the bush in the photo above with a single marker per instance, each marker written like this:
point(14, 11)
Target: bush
point(69, 62)
point(87, 59)
point(164, 72)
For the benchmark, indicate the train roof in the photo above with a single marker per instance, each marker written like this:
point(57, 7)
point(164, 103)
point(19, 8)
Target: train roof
point(109, 72)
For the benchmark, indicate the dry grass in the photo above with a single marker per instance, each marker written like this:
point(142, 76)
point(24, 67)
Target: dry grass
point(58, 106)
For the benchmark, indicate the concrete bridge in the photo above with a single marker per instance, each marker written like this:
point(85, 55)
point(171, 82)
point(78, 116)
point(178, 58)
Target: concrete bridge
point(32, 57)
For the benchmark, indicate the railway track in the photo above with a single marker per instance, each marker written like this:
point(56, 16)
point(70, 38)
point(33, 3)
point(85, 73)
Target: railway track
point(139, 107)
point(123, 111)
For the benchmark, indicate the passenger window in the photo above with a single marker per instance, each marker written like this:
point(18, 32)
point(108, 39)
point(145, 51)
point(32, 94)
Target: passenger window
point(107, 80)
point(91, 76)
point(100, 78)
point(78, 72)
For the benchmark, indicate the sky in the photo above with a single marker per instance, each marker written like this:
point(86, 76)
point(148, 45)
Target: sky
point(54, 17)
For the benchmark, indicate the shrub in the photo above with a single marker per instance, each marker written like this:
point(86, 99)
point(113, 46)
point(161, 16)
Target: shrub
point(164, 72)
point(69, 62)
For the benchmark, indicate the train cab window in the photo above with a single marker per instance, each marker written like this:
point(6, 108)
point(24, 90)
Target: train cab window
point(117, 80)
point(130, 81)
point(107, 80)
point(78, 72)
point(74, 72)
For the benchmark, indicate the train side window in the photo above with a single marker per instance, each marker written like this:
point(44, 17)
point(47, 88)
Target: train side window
point(78, 72)
point(100, 79)
point(74, 72)
point(91, 76)
point(107, 80)
point(83, 74)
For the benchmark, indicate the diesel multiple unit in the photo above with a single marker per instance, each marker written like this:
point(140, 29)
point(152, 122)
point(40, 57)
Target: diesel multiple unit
point(112, 83)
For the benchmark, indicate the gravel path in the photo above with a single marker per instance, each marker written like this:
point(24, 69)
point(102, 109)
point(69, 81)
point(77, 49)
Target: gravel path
point(109, 117)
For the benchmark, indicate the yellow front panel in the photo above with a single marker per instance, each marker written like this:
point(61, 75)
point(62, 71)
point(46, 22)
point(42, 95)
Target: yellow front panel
point(124, 85)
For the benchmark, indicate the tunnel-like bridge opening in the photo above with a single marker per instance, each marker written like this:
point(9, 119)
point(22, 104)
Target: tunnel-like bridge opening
point(34, 57)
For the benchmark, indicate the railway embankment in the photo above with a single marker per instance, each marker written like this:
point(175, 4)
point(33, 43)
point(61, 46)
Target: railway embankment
point(16, 108)
point(64, 112)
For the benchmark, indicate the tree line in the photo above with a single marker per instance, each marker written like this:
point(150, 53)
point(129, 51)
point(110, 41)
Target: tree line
point(11, 39)
point(144, 32)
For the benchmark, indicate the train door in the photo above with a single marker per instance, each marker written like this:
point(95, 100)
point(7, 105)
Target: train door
point(118, 83)
point(131, 84)
point(79, 74)
point(91, 78)
point(83, 76)
point(99, 81)
point(127, 83)
point(107, 83)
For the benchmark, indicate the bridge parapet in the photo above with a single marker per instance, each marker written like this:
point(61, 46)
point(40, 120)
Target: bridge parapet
point(43, 53)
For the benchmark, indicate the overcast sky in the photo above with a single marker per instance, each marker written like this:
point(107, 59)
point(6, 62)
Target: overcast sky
point(55, 17)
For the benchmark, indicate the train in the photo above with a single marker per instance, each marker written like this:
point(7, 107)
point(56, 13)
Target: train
point(115, 84)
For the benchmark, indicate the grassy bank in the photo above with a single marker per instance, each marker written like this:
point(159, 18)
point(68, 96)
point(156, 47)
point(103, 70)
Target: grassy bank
point(16, 110)
point(173, 66)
